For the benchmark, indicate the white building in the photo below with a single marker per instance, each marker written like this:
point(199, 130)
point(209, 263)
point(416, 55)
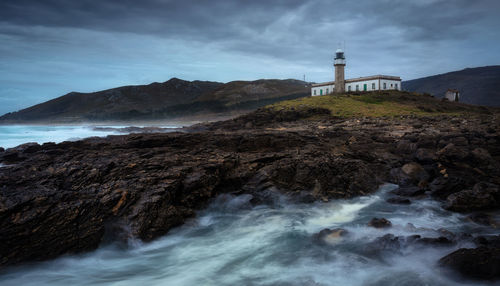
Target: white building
point(452, 95)
point(369, 83)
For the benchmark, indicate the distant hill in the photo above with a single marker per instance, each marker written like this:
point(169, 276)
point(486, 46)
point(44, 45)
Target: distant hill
point(170, 99)
point(476, 85)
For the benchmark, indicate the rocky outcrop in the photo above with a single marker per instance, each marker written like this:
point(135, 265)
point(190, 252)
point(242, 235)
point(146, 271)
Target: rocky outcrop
point(68, 197)
point(379, 223)
point(476, 263)
point(483, 196)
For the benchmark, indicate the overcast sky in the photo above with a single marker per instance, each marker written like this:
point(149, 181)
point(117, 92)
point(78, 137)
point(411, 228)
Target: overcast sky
point(51, 47)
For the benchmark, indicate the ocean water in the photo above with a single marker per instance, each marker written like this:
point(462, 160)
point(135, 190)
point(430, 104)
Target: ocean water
point(14, 135)
point(234, 243)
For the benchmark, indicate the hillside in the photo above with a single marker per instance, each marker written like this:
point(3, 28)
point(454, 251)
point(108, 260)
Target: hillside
point(382, 104)
point(170, 99)
point(476, 85)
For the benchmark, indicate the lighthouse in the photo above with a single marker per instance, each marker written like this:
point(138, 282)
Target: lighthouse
point(339, 64)
point(342, 85)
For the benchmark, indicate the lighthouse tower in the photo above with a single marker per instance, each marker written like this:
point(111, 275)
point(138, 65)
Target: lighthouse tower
point(339, 71)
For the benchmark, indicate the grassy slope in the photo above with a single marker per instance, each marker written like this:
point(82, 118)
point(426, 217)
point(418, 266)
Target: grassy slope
point(386, 103)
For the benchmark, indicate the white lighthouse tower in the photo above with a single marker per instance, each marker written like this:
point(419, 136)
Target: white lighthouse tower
point(339, 64)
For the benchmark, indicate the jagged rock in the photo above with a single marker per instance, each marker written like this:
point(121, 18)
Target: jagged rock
point(68, 197)
point(379, 223)
point(477, 263)
point(483, 196)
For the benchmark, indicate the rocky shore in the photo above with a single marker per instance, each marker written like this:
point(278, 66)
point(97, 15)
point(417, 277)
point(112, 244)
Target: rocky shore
point(70, 197)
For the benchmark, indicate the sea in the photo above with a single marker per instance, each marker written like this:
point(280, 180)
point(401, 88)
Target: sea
point(233, 242)
point(14, 135)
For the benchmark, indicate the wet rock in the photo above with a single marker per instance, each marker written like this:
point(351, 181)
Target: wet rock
point(435, 241)
point(452, 152)
point(477, 263)
point(442, 187)
point(330, 236)
point(482, 218)
point(379, 223)
point(425, 155)
point(410, 191)
point(409, 174)
point(482, 196)
point(398, 201)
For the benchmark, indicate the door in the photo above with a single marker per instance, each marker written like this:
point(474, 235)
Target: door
point(364, 87)
point(320, 92)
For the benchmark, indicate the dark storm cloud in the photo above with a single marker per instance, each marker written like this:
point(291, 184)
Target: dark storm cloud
point(88, 45)
point(237, 20)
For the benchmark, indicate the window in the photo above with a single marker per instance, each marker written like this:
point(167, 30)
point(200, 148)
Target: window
point(396, 86)
point(373, 86)
point(348, 88)
point(314, 92)
point(391, 85)
point(357, 87)
point(327, 91)
point(385, 85)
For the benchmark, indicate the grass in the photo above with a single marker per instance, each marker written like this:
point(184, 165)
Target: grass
point(379, 104)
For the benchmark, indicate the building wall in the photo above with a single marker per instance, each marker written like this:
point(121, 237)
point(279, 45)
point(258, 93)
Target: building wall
point(351, 86)
point(322, 90)
point(371, 85)
point(396, 84)
point(452, 96)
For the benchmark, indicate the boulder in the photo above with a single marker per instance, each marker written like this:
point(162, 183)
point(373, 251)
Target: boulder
point(409, 174)
point(330, 236)
point(477, 263)
point(452, 152)
point(482, 218)
point(442, 187)
point(425, 155)
point(482, 196)
point(435, 241)
point(379, 223)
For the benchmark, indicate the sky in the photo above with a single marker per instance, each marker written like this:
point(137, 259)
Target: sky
point(51, 47)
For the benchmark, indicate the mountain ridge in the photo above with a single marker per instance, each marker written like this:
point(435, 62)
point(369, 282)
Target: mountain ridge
point(169, 99)
point(479, 85)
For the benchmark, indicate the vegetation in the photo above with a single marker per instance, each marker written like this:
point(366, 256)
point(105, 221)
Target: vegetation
point(382, 103)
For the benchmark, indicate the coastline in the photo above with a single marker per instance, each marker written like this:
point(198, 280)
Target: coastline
point(154, 182)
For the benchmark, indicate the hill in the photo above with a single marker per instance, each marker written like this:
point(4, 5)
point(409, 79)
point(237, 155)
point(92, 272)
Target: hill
point(382, 104)
point(476, 85)
point(170, 99)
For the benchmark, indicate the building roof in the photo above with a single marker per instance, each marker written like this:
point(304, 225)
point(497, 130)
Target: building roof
point(389, 77)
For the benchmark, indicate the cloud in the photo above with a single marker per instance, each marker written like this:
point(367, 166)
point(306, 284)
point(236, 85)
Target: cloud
point(84, 45)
